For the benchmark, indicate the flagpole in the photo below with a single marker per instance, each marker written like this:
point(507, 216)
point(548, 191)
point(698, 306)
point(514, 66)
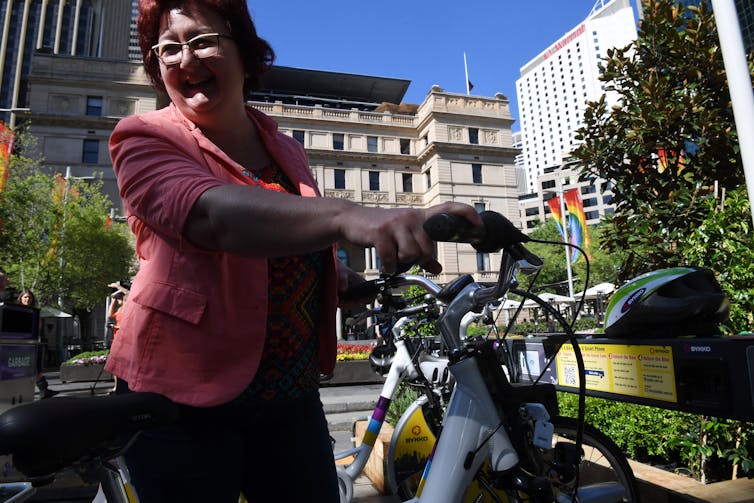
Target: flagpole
point(466, 69)
point(568, 251)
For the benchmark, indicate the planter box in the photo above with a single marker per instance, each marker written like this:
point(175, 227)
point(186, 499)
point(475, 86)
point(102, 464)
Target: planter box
point(78, 373)
point(377, 463)
point(353, 372)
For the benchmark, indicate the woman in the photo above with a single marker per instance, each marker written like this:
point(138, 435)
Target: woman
point(232, 312)
point(26, 298)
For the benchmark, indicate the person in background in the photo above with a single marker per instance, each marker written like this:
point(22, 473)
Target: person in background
point(232, 312)
point(26, 298)
point(117, 301)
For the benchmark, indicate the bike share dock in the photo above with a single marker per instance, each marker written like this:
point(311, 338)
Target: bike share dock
point(707, 376)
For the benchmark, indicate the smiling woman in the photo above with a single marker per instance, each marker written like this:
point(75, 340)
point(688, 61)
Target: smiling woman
point(232, 312)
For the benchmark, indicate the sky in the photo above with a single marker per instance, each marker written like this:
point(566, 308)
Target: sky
point(419, 40)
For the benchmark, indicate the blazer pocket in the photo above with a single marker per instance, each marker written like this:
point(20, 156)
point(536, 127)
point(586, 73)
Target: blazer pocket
point(182, 303)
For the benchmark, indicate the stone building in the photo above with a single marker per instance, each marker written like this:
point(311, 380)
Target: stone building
point(363, 143)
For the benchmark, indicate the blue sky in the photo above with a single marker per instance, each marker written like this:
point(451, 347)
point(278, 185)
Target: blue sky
point(417, 40)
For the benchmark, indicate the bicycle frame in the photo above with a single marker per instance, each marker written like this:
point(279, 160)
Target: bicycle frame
point(402, 367)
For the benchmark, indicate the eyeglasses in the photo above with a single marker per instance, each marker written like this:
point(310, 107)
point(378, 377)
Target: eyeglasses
point(206, 45)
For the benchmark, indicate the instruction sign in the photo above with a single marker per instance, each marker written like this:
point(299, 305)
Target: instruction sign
point(639, 371)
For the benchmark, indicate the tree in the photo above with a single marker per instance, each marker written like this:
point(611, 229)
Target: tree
point(57, 238)
point(670, 143)
point(603, 265)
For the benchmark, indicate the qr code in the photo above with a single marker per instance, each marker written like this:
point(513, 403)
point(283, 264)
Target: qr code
point(569, 375)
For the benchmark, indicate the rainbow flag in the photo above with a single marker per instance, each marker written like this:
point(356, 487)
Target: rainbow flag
point(579, 234)
point(6, 147)
point(554, 205)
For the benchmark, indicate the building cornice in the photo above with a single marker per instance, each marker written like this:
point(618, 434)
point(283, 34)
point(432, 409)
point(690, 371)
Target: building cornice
point(366, 157)
point(437, 148)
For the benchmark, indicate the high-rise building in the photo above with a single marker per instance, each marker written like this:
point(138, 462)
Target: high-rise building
point(134, 52)
point(88, 28)
point(555, 86)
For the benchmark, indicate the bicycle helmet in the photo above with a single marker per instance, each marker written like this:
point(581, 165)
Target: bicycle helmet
point(673, 302)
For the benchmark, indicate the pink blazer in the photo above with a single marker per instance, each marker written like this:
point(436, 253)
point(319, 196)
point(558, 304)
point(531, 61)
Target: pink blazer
point(193, 328)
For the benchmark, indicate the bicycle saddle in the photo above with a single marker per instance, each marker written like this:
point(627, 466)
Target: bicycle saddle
point(49, 435)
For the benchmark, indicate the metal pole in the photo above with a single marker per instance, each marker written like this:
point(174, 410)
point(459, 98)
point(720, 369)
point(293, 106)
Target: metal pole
point(739, 84)
point(466, 69)
point(565, 237)
point(61, 260)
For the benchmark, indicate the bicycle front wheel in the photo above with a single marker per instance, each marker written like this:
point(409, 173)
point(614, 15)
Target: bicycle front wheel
point(604, 469)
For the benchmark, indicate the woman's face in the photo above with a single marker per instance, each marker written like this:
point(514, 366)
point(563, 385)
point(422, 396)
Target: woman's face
point(25, 299)
point(205, 90)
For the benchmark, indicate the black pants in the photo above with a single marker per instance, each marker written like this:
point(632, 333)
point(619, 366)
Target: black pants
point(272, 451)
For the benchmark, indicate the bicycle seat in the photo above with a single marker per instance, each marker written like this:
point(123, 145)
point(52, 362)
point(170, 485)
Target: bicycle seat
point(49, 435)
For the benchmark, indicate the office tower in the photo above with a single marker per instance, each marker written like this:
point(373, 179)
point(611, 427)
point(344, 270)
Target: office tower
point(555, 86)
point(134, 52)
point(88, 28)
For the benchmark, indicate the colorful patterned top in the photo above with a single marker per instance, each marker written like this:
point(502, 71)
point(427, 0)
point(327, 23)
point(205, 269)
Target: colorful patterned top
point(288, 368)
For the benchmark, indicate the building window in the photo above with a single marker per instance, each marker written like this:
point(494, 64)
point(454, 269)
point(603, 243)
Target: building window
point(476, 173)
point(337, 141)
point(371, 144)
point(530, 212)
point(428, 175)
point(405, 146)
point(548, 184)
point(94, 106)
point(340, 179)
point(474, 135)
point(480, 207)
point(374, 180)
point(408, 182)
point(298, 135)
point(590, 202)
point(482, 261)
point(592, 215)
point(90, 154)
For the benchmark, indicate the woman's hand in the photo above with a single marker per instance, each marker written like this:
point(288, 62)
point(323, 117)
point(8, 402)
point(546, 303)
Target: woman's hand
point(398, 234)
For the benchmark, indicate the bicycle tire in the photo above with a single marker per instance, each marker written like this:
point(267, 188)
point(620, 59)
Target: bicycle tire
point(602, 458)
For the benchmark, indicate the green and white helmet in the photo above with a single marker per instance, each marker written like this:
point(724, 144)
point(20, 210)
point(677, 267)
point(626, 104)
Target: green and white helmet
point(673, 302)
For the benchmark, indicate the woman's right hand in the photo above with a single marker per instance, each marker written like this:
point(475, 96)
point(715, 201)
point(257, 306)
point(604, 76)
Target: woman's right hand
point(398, 234)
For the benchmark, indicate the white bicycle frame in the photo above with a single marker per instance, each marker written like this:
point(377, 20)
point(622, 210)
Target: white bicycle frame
point(473, 430)
point(402, 367)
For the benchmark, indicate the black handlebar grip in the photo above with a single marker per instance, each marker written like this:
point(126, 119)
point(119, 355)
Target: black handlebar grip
point(361, 290)
point(497, 232)
point(452, 228)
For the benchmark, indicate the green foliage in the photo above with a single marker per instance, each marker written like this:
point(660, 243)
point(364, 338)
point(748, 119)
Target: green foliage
point(656, 435)
point(722, 242)
point(672, 99)
point(404, 397)
point(56, 239)
point(585, 324)
point(603, 264)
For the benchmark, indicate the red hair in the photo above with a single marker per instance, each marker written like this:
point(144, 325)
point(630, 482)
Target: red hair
point(256, 54)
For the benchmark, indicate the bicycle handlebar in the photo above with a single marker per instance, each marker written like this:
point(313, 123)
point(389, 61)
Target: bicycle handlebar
point(495, 233)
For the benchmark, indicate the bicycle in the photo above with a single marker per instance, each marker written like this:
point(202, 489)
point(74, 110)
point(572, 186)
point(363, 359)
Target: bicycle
point(416, 430)
point(505, 433)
